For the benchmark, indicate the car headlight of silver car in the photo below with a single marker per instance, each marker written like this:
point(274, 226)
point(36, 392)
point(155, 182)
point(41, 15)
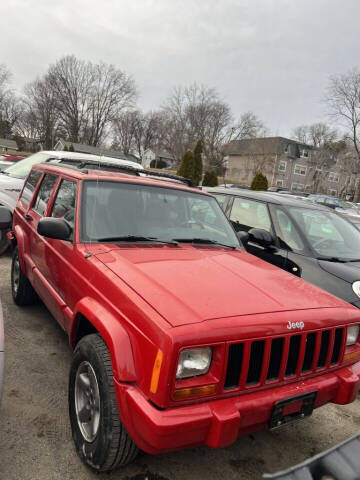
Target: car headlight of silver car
point(352, 335)
point(356, 288)
point(194, 362)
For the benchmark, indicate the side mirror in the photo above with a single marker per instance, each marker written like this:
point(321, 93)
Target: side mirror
point(56, 228)
point(5, 218)
point(261, 237)
point(243, 237)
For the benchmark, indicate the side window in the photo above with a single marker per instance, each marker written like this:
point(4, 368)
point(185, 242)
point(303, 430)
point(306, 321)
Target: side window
point(246, 214)
point(44, 193)
point(202, 211)
point(64, 204)
point(222, 200)
point(287, 233)
point(30, 186)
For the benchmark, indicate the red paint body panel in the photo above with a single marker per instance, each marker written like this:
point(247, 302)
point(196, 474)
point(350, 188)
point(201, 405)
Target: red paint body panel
point(142, 298)
point(218, 423)
point(190, 285)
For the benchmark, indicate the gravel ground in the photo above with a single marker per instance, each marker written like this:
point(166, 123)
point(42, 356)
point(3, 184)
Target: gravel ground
point(35, 439)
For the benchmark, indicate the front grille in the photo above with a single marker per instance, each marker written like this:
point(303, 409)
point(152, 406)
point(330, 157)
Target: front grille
point(252, 363)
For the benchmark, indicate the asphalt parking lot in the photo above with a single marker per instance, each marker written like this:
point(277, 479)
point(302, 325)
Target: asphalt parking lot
point(35, 439)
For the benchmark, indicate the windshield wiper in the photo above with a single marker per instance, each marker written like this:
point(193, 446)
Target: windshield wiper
point(333, 259)
point(136, 238)
point(205, 241)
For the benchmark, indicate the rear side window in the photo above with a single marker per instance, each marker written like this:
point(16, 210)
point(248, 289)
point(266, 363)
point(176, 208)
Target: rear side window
point(222, 200)
point(30, 186)
point(44, 193)
point(64, 204)
point(288, 235)
point(247, 214)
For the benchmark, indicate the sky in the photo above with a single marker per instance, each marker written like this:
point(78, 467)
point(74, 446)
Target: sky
point(273, 57)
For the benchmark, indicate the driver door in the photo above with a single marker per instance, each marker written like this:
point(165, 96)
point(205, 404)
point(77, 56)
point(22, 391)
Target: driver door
point(246, 214)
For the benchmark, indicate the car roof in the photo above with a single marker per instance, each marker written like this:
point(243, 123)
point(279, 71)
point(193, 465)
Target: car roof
point(136, 176)
point(77, 155)
point(269, 197)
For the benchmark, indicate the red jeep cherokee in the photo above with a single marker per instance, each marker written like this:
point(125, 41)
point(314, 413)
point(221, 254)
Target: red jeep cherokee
point(181, 338)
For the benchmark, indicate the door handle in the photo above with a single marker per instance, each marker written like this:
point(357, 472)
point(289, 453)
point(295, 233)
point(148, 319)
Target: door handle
point(28, 217)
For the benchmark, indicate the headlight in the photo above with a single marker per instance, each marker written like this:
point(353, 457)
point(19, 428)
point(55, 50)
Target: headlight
point(352, 335)
point(356, 287)
point(193, 362)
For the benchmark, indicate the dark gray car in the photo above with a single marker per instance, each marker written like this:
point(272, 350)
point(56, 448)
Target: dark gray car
point(306, 239)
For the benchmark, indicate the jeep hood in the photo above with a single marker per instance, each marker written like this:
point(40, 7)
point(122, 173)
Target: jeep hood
point(188, 284)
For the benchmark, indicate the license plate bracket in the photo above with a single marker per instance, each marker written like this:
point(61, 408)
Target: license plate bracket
point(280, 418)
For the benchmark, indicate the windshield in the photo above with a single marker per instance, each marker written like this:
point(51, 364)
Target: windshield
point(114, 210)
point(328, 234)
point(23, 167)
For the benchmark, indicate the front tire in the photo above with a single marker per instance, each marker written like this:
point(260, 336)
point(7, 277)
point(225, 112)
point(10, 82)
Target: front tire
point(21, 289)
point(100, 438)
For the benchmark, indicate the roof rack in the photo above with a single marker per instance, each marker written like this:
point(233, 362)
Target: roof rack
point(85, 164)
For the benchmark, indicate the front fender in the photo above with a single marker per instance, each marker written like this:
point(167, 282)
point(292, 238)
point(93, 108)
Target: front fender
point(22, 245)
point(113, 333)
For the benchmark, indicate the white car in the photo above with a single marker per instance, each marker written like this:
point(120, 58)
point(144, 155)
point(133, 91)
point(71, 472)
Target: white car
point(12, 178)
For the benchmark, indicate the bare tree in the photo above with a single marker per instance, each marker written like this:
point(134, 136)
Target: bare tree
point(317, 134)
point(124, 130)
point(343, 100)
point(112, 92)
point(301, 134)
point(71, 83)
point(9, 108)
point(198, 113)
point(39, 117)
point(88, 97)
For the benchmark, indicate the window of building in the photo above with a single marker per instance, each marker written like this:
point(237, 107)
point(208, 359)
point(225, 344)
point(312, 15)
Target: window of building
point(282, 166)
point(304, 153)
point(30, 186)
point(297, 187)
point(333, 192)
point(308, 188)
point(333, 177)
point(300, 170)
point(44, 193)
point(279, 183)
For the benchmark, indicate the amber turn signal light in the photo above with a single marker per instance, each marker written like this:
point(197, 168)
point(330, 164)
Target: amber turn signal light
point(351, 356)
point(156, 371)
point(184, 393)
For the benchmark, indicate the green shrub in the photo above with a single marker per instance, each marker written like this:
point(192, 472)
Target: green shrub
point(259, 182)
point(187, 167)
point(71, 148)
point(198, 165)
point(65, 149)
point(210, 179)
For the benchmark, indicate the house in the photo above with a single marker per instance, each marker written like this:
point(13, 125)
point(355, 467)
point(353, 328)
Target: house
point(289, 165)
point(31, 144)
point(7, 145)
point(156, 158)
point(78, 147)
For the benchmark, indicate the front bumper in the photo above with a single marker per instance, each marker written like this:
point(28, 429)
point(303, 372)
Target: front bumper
point(218, 423)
